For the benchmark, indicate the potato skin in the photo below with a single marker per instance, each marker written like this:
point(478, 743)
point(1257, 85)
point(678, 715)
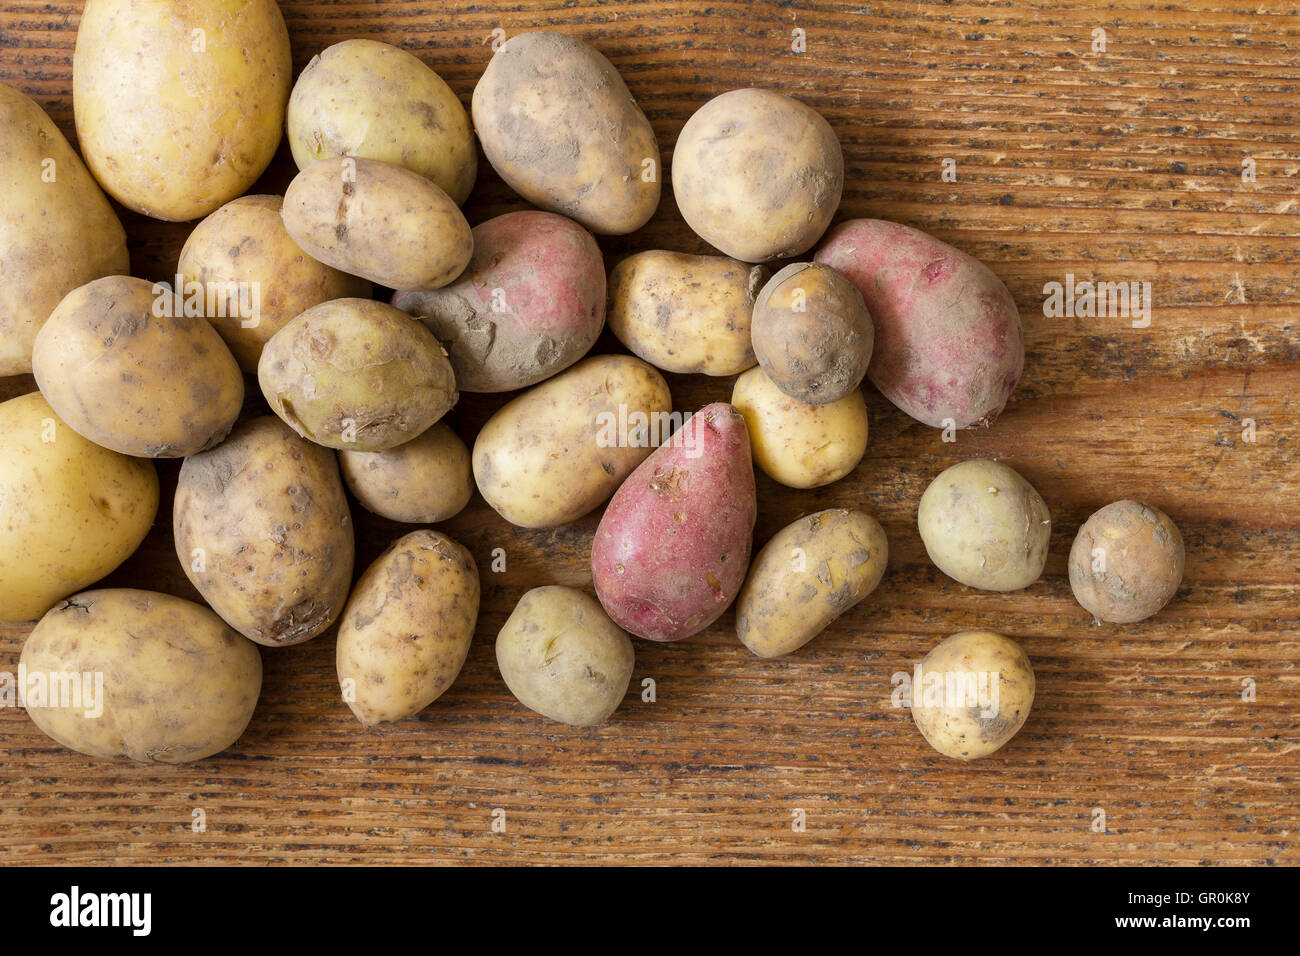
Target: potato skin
point(810, 573)
point(558, 124)
point(135, 381)
point(758, 175)
point(169, 131)
point(1138, 569)
point(423, 481)
point(561, 656)
point(407, 628)
point(529, 305)
point(59, 491)
point(949, 345)
point(985, 526)
point(266, 514)
point(961, 731)
point(686, 314)
point(178, 684)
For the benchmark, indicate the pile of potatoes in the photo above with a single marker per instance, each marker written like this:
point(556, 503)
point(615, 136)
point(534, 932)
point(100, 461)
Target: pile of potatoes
point(362, 303)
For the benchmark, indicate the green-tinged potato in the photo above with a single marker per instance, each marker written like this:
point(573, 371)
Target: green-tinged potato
point(972, 693)
point(407, 627)
point(809, 574)
point(262, 530)
point(70, 511)
point(378, 221)
point(800, 445)
point(180, 103)
point(686, 314)
point(560, 449)
point(251, 276)
point(985, 526)
point(356, 374)
point(558, 124)
point(366, 98)
point(126, 673)
point(124, 369)
point(426, 480)
point(57, 231)
point(561, 656)
point(1127, 562)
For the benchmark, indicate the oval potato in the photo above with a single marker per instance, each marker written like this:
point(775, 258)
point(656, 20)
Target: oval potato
point(1126, 562)
point(423, 481)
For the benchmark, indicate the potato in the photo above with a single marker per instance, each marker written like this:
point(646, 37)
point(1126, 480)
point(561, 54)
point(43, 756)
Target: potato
point(122, 368)
point(1126, 563)
point(812, 333)
point(530, 304)
point(686, 314)
point(556, 452)
point(949, 347)
point(407, 628)
point(57, 231)
point(800, 445)
point(672, 548)
point(426, 480)
point(972, 693)
point(366, 98)
point(179, 103)
point(120, 672)
point(561, 656)
point(356, 374)
point(378, 221)
point(70, 511)
point(246, 276)
point(985, 526)
point(262, 529)
point(558, 124)
point(757, 174)
point(810, 573)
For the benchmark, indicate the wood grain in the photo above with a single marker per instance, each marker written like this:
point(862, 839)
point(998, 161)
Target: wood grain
point(1123, 165)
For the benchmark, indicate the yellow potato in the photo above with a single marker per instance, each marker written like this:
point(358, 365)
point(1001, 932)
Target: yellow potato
point(423, 481)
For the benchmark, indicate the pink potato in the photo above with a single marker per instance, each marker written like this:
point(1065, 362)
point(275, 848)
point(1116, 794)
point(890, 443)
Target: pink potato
point(672, 548)
point(949, 348)
point(529, 305)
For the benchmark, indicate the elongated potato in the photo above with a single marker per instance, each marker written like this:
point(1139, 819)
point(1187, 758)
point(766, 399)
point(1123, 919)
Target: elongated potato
point(1127, 562)
point(423, 481)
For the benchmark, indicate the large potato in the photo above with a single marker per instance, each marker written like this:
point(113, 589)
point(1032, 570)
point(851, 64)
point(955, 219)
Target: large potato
point(423, 481)
point(558, 124)
point(757, 174)
point(262, 529)
point(1126, 562)
point(57, 231)
point(70, 511)
point(180, 103)
point(119, 365)
point(126, 673)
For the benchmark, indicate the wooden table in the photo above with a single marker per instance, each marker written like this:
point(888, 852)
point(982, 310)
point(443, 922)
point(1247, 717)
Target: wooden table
point(1116, 165)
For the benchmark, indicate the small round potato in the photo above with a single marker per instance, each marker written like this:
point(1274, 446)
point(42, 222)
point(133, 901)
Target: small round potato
point(356, 374)
point(985, 526)
point(1126, 563)
point(972, 693)
point(562, 656)
point(426, 480)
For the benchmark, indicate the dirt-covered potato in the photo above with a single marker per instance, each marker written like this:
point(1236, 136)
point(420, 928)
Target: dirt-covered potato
point(366, 98)
point(70, 511)
point(558, 124)
point(180, 103)
point(972, 693)
point(1126, 563)
point(378, 221)
point(356, 374)
point(120, 672)
point(985, 526)
point(806, 576)
point(797, 444)
point(561, 656)
point(262, 529)
point(757, 174)
point(423, 481)
point(407, 628)
point(118, 364)
point(686, 314)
